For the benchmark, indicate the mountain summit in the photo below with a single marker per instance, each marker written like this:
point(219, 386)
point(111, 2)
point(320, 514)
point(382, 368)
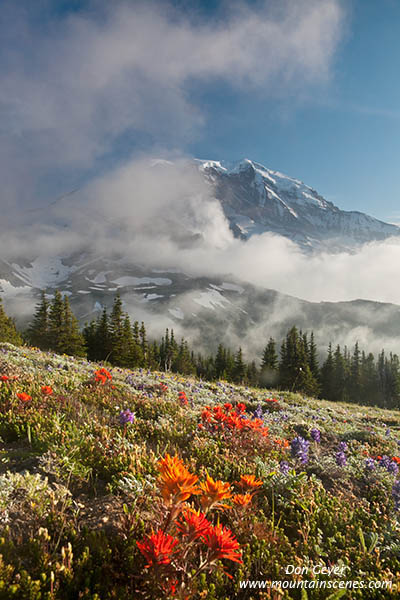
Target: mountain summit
point(256, 200)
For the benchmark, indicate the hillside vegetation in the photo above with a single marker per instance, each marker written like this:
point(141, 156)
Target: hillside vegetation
point(125, 484)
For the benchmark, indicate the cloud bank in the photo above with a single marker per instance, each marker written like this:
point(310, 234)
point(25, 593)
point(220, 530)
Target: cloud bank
point(163, 214)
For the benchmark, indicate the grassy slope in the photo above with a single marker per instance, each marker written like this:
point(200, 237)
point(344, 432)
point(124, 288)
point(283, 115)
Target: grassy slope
point(67, 467)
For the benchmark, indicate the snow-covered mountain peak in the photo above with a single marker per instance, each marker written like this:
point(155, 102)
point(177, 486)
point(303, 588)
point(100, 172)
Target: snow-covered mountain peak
point(256, 199)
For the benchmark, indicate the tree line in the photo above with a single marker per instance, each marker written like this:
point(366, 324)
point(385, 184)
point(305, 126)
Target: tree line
point(344, 375)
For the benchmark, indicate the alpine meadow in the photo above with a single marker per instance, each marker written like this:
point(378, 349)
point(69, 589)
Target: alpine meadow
point(199, 300)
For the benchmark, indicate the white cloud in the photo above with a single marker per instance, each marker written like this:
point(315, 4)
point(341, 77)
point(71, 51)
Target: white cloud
point(70, 86)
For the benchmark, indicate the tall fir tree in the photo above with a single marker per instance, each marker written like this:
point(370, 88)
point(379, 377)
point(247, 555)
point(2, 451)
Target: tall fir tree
point(239, 370)
point(71, 340)
point(269, 365)
point(38, 330)
point(56, 313)
point(328, 376)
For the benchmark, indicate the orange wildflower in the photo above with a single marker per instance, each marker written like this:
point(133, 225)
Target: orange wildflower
point(4, 378)
point(242, 499)
point(213, 492)
point(249, 483)
point(24, 397)
point(193, 524)
point(176, 483)
point(158, 548)
point(102, 375)
point(396, 459)
point(47, 390)
point(222, 544)
point(282, 443)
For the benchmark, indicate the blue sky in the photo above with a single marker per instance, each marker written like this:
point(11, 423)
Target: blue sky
point(307, 87)
point(345, 141)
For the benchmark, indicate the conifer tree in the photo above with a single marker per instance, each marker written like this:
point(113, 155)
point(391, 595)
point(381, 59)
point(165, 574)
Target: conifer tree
point(89, 334)
point(102, 342)
point(313, 358)
point(8, 330)
point(295, 373)
point(56, 313)
point(131, 337)
point(369, 384)
point(340, 376)
point(354, 387)
point(38, 330)
point(269, 365)
point(143, 341)
point(117, 332)
point(327, 376)
point(270, 357)
point(71, 340)
point(239, 369)
point(220, 362)
point(182, 362)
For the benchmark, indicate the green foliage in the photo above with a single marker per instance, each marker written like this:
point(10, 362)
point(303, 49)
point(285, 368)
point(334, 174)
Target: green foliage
point(8, 331)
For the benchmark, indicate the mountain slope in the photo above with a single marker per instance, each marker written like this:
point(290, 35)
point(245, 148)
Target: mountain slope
point(207, 309)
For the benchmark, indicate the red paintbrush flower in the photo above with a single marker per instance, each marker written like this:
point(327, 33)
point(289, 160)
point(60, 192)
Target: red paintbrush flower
point(222, 544)
point(47, 390)
point(193, 524)
point(102, 375)
point(158, 548)
point(24, 397)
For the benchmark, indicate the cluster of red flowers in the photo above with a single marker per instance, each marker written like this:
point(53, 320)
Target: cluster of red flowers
point(228, 417)
point(24, 397)
point(183, 398)
point(8, 377)
point(102, 375)
point(192, 527)
point(270, 400)
point(159, 548)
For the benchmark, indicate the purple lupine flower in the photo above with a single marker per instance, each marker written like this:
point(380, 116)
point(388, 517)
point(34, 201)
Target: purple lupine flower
point(340, 459)
point(299, 449)
point(384, 462)
point(126, 416)
point(396, 494)
point(370, 464)
point(343, 447)
point(284, 467)
point(387, 432)
point(316, 435)
point(258, 413)
point(393, 468)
